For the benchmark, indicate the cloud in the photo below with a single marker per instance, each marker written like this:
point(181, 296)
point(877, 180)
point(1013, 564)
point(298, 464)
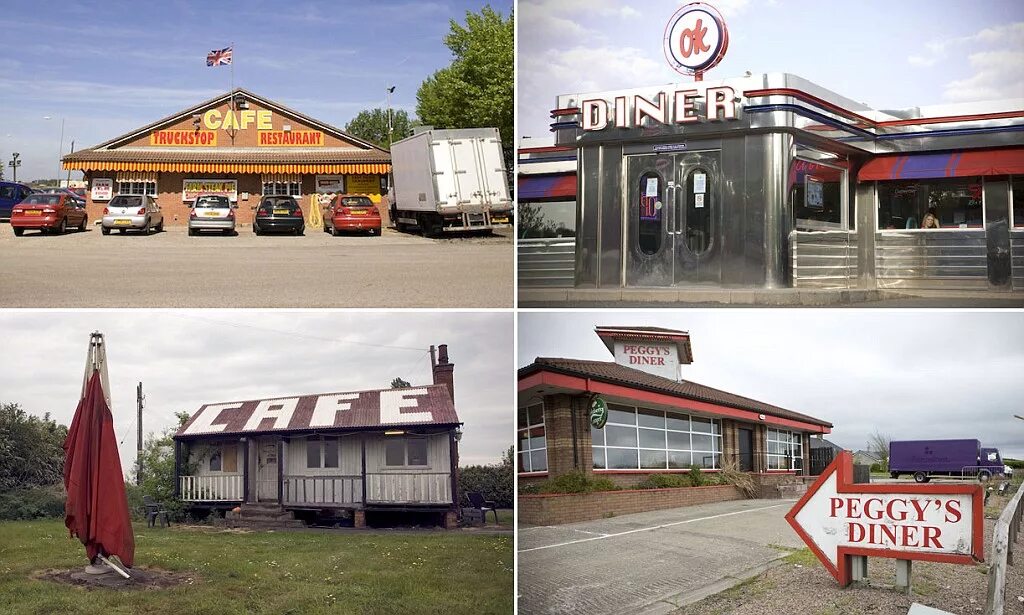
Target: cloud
point(921, 61)
point(997, 75)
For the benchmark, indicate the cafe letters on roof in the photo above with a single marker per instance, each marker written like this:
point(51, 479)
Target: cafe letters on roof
point(248, 135)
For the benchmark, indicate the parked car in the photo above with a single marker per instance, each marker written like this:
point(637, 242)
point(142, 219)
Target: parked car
point(132, 212)
point(10, 195)
point(278, 213)
point(350, 212)
point(49, 211)
point(212, 212)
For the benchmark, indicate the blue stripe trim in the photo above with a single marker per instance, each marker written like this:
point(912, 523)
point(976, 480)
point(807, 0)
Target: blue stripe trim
point(814, 115)
point(549, 159)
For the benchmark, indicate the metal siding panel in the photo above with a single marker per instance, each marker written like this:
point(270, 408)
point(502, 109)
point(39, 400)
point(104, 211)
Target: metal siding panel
point(546, 262)
point(610, 211)
point(734, 205)
point(753, 248)
point(867, 222)
point(778, 155)
point(1017, 258)
point(931, 260)
point(588, 245)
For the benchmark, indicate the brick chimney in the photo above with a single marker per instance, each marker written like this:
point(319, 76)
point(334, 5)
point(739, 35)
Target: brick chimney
point(444, 370)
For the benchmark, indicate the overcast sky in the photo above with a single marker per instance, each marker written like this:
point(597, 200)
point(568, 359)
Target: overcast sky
point(887, 54)
point(109, 66)
point(908, 374)
point(185, 358)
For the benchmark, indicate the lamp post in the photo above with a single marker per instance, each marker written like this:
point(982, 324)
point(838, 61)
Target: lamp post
point(14, 164)
point(60, 148)
point(391, 90)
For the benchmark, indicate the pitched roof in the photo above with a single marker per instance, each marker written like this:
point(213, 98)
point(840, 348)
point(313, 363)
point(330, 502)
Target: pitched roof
point(380, 408)
point(614, 373)
point(823, 443)
point(239, 155)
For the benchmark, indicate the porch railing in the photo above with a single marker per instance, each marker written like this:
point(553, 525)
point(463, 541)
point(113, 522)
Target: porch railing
point(224, 488)
point(398, 488)
point(322, 490)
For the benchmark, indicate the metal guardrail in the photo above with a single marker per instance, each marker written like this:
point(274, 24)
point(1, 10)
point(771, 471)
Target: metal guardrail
point(1003, 543)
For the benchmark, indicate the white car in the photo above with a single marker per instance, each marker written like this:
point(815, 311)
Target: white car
point(1007, 471)
point(212, 212)
point(132, 212)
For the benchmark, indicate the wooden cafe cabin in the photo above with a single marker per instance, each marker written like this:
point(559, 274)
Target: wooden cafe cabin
point(336, 455)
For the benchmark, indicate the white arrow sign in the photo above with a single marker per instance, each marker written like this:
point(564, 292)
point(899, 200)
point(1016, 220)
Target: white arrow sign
point(837, 518)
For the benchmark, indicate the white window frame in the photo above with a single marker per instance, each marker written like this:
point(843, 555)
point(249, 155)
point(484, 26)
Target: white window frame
point(148, 188)
point(715, 434)
point(283, 188)
point(526, 455)
point(791, 438)
point(949, 229)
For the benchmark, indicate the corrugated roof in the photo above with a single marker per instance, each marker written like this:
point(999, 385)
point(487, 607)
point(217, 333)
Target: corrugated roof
point(233, 155)
point(381, 408)
point(614, 373)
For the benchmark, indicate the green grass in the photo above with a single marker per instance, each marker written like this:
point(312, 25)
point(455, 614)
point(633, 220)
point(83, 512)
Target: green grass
point(275, 572)
point(804, 557)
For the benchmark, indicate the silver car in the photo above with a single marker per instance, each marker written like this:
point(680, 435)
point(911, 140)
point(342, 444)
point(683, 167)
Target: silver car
point(132, 212)
point(212, 212)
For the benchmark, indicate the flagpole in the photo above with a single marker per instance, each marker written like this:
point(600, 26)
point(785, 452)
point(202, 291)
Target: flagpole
point(234, 118)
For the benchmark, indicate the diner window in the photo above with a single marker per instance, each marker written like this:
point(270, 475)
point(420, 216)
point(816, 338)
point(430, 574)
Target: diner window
point(321, 452)
point(650, 213)
point(816, 195)
point(1017, 200)
point(282, 188)
point(546, 219)
point(533, 454)
point(956, 203)
point(136, 188)
point(785, 450)
point(405, 451)
point(645, 439)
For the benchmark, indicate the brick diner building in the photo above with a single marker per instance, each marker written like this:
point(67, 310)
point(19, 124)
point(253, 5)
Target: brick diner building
point(656, 421)
point(238, 144)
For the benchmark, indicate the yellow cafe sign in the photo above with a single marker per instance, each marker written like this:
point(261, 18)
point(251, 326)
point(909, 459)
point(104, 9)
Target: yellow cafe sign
point(238, 120)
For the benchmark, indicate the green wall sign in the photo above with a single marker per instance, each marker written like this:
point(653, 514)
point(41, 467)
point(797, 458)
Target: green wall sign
point(598, 413)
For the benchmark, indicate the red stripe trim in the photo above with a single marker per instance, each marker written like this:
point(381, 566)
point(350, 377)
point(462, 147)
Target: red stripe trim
point(800, 94)
point(549, 148)
point(566, 111)
point(955, 118)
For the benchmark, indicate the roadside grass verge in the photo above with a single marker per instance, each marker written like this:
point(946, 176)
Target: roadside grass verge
point(269, 572)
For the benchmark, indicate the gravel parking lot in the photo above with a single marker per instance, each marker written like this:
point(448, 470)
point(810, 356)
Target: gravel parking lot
point(171, 269)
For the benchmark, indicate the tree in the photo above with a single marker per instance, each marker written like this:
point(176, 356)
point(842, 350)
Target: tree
point(372, 125)
point(878, 443)
point(31, 449)
point(398, 383)
point(476, 90)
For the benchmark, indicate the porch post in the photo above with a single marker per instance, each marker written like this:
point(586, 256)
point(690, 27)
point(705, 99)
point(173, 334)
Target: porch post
point(177, 469)
point(245, 470)
point(280, 470)
point(362, 442)
point(453, 458)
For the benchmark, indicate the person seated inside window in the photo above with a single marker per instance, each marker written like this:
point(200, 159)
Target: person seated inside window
point(931, 219)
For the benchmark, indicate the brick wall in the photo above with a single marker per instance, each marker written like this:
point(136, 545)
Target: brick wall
point(558, 430)
point(767, 484)
point(555, 509)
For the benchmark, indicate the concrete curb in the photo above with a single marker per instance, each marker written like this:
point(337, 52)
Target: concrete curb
point(783, 297)
point(671, 603)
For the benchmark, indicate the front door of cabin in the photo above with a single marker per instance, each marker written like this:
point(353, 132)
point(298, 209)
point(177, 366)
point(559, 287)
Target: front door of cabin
point(746, 446)
point(266, 471)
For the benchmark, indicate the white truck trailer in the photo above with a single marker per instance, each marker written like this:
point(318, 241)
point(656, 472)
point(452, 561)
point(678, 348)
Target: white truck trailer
point(450, 180)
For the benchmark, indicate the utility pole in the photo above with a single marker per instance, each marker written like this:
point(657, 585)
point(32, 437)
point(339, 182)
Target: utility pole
point(138, 458)
point(391, 90)
point(69, 168)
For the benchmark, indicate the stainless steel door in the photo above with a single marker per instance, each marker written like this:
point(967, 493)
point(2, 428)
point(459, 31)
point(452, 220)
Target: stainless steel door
point(650, 246)
point(698, 218)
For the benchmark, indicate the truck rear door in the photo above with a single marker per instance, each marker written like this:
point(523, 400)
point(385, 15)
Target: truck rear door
point(468, 171)
point(495, 180)
point(445, 174)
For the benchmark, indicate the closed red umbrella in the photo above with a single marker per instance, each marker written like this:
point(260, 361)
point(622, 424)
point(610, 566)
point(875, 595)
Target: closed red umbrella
point(97, 507)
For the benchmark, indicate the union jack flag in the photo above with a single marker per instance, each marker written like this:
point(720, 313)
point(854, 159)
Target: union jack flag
point(219, 56)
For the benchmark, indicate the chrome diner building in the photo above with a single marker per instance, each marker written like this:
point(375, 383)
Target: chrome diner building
point(771, 181)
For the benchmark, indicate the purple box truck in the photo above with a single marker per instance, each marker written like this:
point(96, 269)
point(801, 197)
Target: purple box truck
point(956, 458)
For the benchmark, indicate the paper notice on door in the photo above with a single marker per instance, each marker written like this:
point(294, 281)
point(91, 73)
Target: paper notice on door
point(652, 187)
point(700, 183)
point(698, 201)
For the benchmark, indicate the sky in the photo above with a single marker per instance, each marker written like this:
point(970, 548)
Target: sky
point(186, 358)
point(889, 55)
point(106, 67)
point(907, 374)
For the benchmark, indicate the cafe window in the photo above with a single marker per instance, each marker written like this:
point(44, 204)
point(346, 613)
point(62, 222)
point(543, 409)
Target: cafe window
point(817, 195)
point(547, 219)
point(407, 451)
point(282, 189)
point(698, 211)
point(956, 202)
point(1017, 200)
point(533, 455)
point(321, 452)
point(136, 188)
point(644, 439)
point(785, 450)
point(650, 213)
point(224, 458)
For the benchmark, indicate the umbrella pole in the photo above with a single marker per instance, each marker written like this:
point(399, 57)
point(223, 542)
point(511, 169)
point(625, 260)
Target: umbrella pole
point(116, 568)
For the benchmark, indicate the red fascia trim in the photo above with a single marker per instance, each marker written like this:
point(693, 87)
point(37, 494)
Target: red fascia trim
point(566, 111)
point(543, 377)
point(547, 148)
point(804, 96)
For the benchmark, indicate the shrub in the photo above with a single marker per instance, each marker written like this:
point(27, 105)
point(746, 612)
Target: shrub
point(877, 468)
point(1016, 464)
point(697, 478)
point(32, 503)
point(664, 481)
point(572, 482)
point(494, 481)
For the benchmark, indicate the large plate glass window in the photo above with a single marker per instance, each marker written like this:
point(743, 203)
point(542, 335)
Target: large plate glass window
point(646, 439)
point(533, 456)
point(546, 219)
point(698, 211)
point(785, 450)
point(953, 203)
point(650, 213)
point(817, 193)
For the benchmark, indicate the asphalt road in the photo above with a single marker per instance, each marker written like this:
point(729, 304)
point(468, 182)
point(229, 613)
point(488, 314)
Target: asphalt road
point(648, 562)
point(173, 270)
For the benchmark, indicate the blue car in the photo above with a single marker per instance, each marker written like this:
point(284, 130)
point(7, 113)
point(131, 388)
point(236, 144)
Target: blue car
point(10, 195)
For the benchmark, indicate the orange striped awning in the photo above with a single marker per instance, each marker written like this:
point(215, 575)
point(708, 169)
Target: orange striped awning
point(220, 167)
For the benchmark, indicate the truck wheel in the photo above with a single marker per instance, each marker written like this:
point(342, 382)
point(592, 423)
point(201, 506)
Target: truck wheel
point(894, 474)
point(920, 477)
point(984, 476)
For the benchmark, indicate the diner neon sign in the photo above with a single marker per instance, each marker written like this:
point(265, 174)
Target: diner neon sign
point(632, 111)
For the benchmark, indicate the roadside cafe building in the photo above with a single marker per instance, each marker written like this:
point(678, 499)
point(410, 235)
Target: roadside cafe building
point(654, 421)
point(239, 145)
point(353, 454)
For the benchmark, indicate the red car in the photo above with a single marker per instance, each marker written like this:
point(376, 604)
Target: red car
point(350, 212)
point(49, 211)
